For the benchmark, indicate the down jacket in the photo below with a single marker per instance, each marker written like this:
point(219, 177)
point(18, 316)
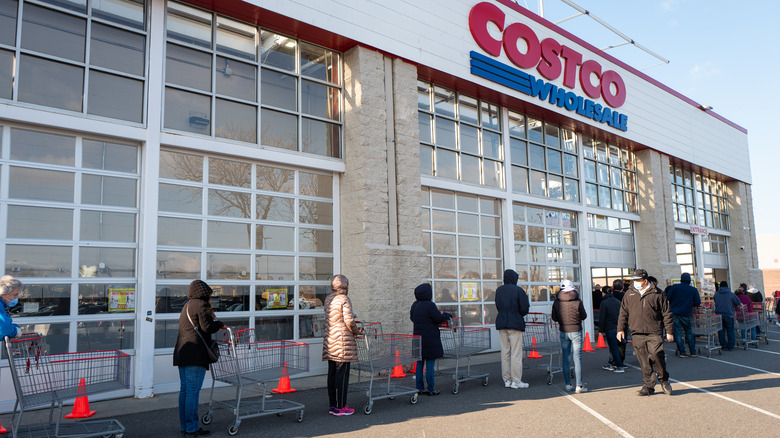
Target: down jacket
point(568, 311)
point(339, 343)
point(190, 350)
point(426, 318)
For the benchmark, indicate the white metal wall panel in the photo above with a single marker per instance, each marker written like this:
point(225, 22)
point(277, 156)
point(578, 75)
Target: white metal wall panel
point(435, 33)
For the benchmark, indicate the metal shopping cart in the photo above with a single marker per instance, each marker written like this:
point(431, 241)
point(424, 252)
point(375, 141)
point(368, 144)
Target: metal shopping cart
point(249, 363)
point(744, 322)
point(763, 322)
point(706, 324)
point(461, 342)
point(48, 380)
point(541, 341)
point(378, 353)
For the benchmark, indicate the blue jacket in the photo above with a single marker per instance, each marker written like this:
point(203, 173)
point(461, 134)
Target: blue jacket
point(426, 318)
point(7, 327)
point(512, 304)
point(725, 300)
point(683, 297)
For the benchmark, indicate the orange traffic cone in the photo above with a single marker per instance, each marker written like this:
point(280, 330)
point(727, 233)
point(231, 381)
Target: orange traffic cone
point(284, 382)
point(600, 343)
point(414, 368)
point(398, 370)
point(81, 406)
point(534, 354)
point(588, 346)
point(2, 429)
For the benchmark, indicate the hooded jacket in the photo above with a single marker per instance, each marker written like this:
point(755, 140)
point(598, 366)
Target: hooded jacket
point(426, 318)
point(683, 297)
point(190, 350)
point(568, 311)
point(646, 313)
point(338, 343)
point(511, 303)
point(725, 301)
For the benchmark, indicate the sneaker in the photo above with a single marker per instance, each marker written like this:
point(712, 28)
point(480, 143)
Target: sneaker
point(519, 385)
point(581, 389)
point(569, 388)
point(199, 432)
point(432, 393)
point(645, 392)
point(507, 383)
point(608, 367)
point(346, 410)
point(693, 355)
point(666, 387)
point(620, 369)
point(333, 411)
point(683, 355)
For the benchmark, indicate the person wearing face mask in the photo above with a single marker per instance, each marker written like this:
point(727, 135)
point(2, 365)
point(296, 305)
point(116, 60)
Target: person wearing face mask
point(645, 310)
point(9, 297)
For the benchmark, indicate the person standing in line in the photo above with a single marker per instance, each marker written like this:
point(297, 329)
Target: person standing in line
point(426, 318)
point(512, 305)
point(645, 310)
point(725, 302)
point(682, 299)
point(10, 287)
point(569, 312)
point(190, 354)
point(618, 289)
point(747, 307)
point(339, 346)
point(608, 319)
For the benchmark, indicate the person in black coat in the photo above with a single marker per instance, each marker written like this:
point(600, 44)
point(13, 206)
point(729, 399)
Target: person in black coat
point(426, 318)
point(608, 319)
point(190, 354)
point(512, 305)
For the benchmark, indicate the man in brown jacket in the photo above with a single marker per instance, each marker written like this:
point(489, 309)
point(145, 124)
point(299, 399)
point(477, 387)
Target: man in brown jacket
point(339, 347)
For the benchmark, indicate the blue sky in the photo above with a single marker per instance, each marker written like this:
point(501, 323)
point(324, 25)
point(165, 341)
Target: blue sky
point(722, 54)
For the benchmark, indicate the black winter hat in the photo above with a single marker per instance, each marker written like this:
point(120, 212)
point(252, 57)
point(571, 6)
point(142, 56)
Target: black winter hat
point(199, 289)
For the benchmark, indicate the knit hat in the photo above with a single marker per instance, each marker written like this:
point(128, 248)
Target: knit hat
point(199, 289)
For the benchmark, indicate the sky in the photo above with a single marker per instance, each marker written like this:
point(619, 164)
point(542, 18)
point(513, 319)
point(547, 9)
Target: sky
point(722, 53)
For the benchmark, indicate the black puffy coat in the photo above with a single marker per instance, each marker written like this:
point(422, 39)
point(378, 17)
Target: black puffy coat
point(512, 304)
point(426, 318)
point(190, 350)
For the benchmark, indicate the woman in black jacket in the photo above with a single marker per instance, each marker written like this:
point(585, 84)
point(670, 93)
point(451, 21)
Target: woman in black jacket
point(190, 354)
point(426, 318)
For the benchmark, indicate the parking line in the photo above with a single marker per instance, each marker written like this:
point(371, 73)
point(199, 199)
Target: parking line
point(740, 365)
point(600, 417)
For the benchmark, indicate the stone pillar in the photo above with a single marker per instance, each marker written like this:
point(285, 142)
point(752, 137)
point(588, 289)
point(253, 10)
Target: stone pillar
point(743, 254)
point(655, 242)
point(381, 251)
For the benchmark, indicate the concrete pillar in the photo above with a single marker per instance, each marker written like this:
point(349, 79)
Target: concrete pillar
point(743, 255)
point(655, 242)
point(381, 251)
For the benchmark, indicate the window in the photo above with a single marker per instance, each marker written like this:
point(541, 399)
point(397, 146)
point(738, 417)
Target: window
point(611, 241)
point(544, 159)
point(682, 194)
point(610, 176)
point(260, 235)
point(712, 203)
point(88, 59)
point(460, 136)
point(230, 80)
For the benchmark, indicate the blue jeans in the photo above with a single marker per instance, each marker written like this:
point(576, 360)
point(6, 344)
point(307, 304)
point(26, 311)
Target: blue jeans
point(191, 381)
point(728, 329)
point(613, 348)
point(571, 340)
point(429, 368)
point(682, 324)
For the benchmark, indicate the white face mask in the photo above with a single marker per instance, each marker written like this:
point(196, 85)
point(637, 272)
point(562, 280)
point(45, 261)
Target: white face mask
point(638, 285)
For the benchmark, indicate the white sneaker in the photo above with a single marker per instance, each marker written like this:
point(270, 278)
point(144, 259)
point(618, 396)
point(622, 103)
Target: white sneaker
point(519, 385)
point(569, 388)
point(619, 370)
point(608, 367)
point(507, 383)
point(581, 389)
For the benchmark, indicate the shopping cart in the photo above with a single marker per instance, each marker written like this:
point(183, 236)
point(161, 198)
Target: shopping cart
point(763, 322)
point(251, 363)
point(461, 342)
point(378, 354)
point(744, 321)
point(542, 341)
point(48, 380)
point(706, 324)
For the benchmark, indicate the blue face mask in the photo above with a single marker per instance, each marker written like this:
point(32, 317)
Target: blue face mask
point(13, 302)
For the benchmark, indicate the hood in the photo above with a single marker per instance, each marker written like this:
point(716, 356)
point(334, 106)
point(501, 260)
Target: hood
point(723, 290)
point(510, 276)
point(199, 290)
point(685, 278)
point(568, 295)
point(423, 292)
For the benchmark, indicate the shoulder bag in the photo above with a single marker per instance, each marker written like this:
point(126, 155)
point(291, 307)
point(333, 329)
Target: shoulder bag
point(211, 349)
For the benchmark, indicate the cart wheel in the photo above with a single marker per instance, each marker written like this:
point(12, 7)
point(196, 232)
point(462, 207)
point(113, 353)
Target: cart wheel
point(233, 429)
point(676, 353)
point(110, 435)
point(300, 416)
point(392, 398)
point(367, 408)
point(278, 414)
point(206, 419)
point(413, 399)
point(455, 389)
point(745, 346)
point(549, 378)
point(484, 381)
point(709, 353)
point(720, 351)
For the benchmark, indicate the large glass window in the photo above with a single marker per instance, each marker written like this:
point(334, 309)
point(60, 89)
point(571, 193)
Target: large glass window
point(610, 176)
point(460, 136)
point(82, 57)
point(71, 235)
point(682, 194)
point(462, 236)
point(228, 79)
point(260, 235)
point(712, 203)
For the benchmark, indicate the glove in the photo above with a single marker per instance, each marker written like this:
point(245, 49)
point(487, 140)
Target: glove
point(447, 315)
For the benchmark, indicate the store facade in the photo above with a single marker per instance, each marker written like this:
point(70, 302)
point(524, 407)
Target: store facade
point(263, 147)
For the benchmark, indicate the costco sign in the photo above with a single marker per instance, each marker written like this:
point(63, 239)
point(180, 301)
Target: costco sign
point(550, 59)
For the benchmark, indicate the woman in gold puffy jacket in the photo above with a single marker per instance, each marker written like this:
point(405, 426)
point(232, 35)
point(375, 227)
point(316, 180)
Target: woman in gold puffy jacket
point(339, 347)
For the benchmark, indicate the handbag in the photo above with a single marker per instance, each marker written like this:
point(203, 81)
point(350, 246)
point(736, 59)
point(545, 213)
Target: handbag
point(212, 349)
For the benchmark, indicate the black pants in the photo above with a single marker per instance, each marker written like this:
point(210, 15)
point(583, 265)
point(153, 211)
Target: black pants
point(649, 351)
point(622, 350)
point(338, 383)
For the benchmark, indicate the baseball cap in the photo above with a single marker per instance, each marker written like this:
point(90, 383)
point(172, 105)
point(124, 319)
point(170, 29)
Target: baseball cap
point(566, 286)
point(638, 274)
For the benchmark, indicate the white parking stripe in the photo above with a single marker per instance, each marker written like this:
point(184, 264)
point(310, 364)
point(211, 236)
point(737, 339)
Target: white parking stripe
point(600, 417)
point(741, 366)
